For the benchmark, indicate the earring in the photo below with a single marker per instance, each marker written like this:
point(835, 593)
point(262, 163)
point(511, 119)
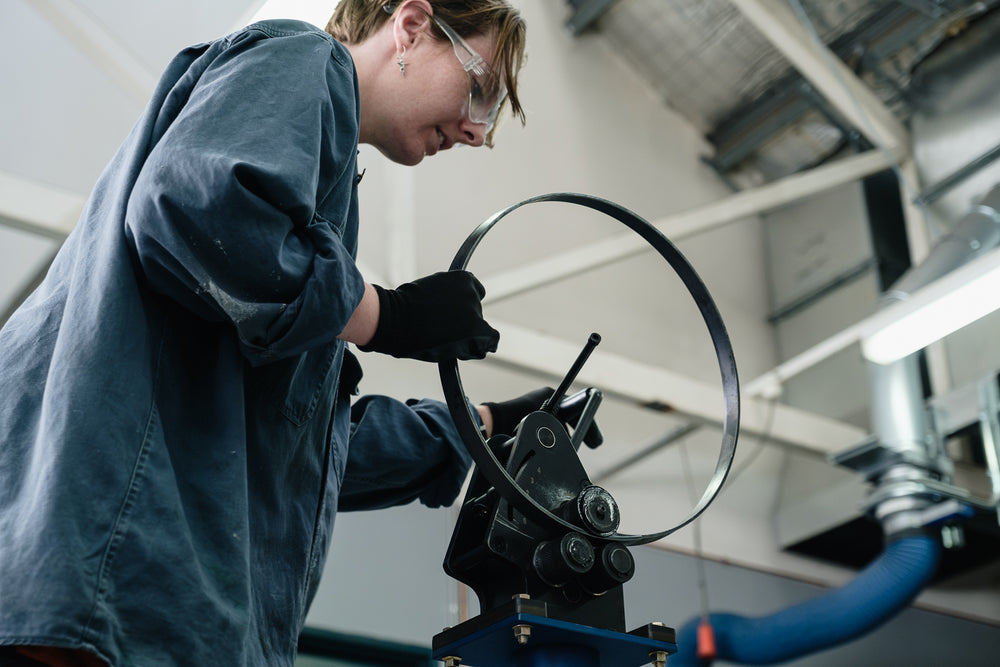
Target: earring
point(399, 61)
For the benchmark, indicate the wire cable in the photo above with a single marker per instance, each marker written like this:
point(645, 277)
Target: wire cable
point(702, 577)
point(762, 442)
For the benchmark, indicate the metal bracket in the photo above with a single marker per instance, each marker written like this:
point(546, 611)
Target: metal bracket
point(939, 501)
point(524, 632)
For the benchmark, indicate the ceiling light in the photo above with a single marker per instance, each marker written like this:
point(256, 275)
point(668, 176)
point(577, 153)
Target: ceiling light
point(942, 307)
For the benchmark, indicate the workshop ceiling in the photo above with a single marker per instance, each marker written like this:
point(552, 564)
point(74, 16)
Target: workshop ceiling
point(707, 61)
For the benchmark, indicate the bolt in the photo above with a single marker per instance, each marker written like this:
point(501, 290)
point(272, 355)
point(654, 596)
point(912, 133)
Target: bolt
point(498, 545)
point(658, 658)
point(520, 596)
point(522, 633)
point(452, 661)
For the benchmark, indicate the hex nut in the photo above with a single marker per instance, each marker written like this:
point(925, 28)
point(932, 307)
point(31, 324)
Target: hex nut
point(522, 633)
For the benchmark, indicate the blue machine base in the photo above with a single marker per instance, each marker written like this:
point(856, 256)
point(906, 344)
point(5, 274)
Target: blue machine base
point(552, 643)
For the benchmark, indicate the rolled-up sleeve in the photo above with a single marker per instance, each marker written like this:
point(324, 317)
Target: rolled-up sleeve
point(224, 215)
point(400, 452)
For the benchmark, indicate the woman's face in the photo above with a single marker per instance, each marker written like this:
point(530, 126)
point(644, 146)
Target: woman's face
point(430, 111)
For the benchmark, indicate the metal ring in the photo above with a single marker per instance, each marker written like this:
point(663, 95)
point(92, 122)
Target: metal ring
point(468, 428)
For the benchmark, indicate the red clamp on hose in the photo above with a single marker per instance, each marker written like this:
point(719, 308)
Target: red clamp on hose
point(706, 640)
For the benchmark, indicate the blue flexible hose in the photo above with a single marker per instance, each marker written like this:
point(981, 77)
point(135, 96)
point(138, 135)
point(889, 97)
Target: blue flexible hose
point(878, 593)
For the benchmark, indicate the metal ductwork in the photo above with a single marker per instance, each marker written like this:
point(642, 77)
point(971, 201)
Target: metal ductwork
point(907, 461)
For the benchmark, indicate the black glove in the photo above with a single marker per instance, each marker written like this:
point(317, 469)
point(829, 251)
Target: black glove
point(436, 318)
point(508, 414)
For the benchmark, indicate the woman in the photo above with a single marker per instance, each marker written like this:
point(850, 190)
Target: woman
point(176, 432)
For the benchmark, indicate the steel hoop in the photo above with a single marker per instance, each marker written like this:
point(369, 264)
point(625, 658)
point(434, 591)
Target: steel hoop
point(491, 468)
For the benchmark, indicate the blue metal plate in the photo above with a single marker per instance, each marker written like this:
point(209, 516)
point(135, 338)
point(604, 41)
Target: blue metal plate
point(552, 643)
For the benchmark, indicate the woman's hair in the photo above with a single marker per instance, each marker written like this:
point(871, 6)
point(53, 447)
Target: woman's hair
point(354, 21)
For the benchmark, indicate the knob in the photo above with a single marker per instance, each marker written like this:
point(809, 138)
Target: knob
point(594, 510)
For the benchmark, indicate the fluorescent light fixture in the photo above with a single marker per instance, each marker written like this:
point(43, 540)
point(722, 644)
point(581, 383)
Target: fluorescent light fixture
point(944, 306)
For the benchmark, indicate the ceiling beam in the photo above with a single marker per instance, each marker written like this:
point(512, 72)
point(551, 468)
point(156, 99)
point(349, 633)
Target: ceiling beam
point(770, 383)
point(36, 207)
point(557, 266)
point(102, 47)
point(845, 92)
point(639, 383)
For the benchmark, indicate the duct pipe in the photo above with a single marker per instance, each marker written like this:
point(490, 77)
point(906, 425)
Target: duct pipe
point(975, 234)
point(877, 594)
point(899, 419)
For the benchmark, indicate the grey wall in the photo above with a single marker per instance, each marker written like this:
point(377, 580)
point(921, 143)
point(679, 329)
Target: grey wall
point(384, 577)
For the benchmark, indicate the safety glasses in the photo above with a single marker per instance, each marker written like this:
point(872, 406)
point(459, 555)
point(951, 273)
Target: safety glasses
point(487, 91)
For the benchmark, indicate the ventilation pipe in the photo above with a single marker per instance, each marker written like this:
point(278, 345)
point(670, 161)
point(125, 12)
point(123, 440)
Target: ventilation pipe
point(882, 590)
point(910, 458)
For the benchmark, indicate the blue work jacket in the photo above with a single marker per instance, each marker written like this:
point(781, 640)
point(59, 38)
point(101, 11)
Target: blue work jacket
point(176, 426)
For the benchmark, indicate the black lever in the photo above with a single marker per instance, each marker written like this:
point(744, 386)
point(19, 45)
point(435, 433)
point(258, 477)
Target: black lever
point(578, 411)
point(552, 404)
